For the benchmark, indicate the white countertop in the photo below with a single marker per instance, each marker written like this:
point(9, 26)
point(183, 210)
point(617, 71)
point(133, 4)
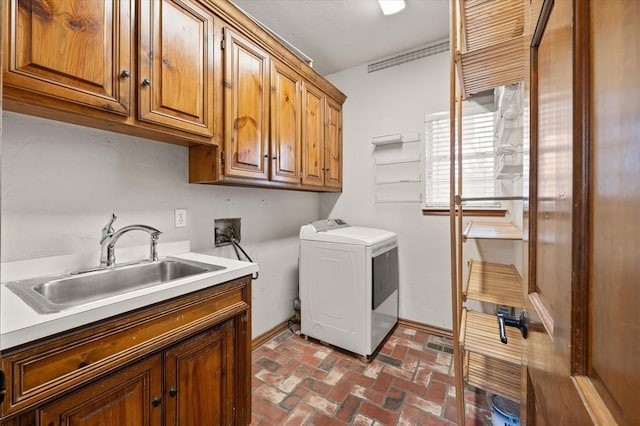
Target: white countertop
point(21, 324)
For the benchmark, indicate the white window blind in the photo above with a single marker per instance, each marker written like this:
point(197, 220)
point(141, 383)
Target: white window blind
point(478, 161)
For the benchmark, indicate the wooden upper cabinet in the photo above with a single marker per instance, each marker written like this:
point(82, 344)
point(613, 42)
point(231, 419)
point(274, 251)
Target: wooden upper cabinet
point(75, 50)
point(286, 121)
point(246, 108)
point(191, 399)
point(333, 146)
point(176, 72)
point(313, 132)
point(132, 396)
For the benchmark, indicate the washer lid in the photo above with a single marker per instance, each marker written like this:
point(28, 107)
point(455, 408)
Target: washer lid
point(357, 235)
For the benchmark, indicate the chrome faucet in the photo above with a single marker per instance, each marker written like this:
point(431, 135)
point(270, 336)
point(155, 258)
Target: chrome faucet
point(110, 237)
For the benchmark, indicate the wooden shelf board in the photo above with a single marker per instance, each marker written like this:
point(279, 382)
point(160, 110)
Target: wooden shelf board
point(492, 230)
point(486, 23)
point(481, 336)
point(493, 65)
point(493, 375)
point(494, 283)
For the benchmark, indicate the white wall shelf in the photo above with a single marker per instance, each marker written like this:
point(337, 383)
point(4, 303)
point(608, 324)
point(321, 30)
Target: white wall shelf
point(413, 158)
point(398, 198)
point(385, 180)
point(395, 138)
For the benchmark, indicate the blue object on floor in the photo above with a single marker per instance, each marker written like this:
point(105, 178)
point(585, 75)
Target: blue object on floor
point(504, 412)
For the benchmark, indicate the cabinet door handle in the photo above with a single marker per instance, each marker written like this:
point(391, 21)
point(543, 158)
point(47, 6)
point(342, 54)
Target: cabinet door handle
point(125, 74)
point(266, 156)
point(156, 401)
point(146, 82)
point(274, 158)
point(173, 392)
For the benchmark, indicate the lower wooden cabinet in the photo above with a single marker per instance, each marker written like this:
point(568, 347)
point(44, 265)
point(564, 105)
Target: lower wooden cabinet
point(199, 376)
point(132, 396)
point(181, 362)
point(197, 389)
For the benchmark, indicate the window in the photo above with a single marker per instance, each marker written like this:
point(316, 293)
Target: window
point(478, 160)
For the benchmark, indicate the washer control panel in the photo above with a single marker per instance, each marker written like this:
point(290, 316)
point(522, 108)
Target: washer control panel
point(329, 224)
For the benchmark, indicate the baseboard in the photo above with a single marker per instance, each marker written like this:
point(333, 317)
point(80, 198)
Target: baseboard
point(265, 337)
point(431, 329)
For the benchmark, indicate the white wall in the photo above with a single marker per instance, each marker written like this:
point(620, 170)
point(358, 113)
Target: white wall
point(61, 182)
point(395, 100)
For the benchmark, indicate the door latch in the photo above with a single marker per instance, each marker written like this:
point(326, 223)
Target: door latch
point(520, 323)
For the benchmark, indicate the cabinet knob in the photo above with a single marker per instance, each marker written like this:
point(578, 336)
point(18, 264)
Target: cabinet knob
point(274, 158)
point(266, 156)
point(146, 82)
point(156, 401)
point(173, 392)
point(125, 74)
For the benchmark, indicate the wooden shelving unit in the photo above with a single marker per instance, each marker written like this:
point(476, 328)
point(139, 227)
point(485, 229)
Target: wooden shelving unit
point(492, 231)
point(488, 50)
point(493, 283)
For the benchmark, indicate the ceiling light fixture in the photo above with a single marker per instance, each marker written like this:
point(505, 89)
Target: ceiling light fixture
point(389, 7)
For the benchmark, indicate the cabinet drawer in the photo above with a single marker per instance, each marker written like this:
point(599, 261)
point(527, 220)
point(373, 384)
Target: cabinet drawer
point(43, 369)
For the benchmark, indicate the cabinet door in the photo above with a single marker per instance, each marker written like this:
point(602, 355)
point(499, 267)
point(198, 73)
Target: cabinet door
point(285, 124)
point(199, 378)
point(176, 78)
point(76, 50)
point(246, 82)
point(129, 397)
point(333, 146)
point(312, 136)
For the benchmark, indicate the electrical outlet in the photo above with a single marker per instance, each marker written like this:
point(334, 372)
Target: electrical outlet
point(180, 218)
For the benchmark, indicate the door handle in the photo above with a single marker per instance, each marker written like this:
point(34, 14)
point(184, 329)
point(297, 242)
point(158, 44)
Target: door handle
point(521, 323)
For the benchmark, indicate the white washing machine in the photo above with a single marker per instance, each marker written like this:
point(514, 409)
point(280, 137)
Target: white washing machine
point(348, 284)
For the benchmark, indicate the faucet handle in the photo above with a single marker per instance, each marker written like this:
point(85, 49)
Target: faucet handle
point(108, 228)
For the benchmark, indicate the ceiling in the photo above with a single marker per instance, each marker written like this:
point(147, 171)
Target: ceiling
point(339, 34)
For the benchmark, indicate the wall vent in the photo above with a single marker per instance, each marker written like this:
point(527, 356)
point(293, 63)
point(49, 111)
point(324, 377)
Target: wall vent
point(431, 49)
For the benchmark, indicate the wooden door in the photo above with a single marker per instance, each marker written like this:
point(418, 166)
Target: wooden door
point(286, 122)
point(76, 50)
point(333, 146)
point(612, 366)
point(547, 350)
point(199, 379)
point(246, 82)
point(132, 396)
point(176, 71)
point(584, 334)
point(313, 131)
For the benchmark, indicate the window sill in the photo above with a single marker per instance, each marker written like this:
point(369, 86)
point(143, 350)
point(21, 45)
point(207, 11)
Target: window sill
point(466, 212)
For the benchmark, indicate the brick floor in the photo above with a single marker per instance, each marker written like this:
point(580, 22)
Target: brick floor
point(409, 382)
